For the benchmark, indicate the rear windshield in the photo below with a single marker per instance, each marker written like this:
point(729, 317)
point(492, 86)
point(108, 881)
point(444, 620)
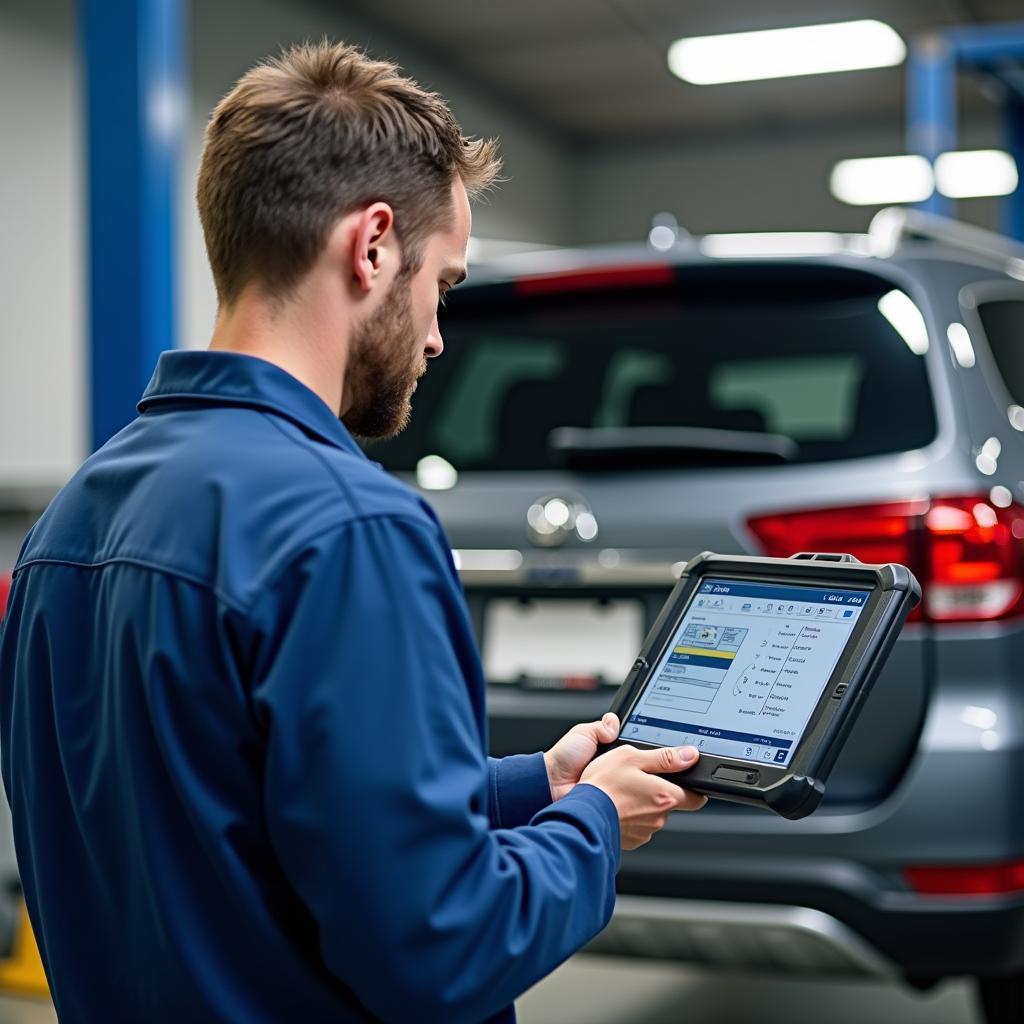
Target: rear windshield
point(800, 354)
point(1004, 327)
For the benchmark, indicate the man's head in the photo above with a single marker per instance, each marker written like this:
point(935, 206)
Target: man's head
point(329, 179)
point(389, 348)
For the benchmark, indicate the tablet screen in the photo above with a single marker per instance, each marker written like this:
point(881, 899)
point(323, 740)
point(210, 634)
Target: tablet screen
point(746, 668)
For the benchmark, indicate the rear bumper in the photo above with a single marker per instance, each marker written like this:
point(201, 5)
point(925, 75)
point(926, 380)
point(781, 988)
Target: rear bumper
point(794, 940)
point(801, 917)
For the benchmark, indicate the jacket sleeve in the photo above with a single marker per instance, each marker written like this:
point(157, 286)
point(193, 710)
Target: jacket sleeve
point(379, 798)
point(519, 788)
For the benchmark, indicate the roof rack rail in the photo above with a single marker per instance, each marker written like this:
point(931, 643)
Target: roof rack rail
point(896, 226)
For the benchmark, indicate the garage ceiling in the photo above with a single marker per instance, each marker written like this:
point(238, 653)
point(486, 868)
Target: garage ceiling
point(593, 72)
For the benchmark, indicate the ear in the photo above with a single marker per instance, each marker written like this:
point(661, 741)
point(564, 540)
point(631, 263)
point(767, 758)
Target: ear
point(375, 254)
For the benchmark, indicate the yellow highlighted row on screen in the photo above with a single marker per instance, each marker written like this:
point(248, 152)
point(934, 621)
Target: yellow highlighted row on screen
point(705, 653)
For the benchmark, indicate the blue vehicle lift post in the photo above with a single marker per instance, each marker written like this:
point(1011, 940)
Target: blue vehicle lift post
point(996, 51)
point(136, 98)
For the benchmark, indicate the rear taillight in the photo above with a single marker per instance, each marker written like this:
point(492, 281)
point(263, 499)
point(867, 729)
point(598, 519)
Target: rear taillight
point(5, 589)
point(967, 553)
point(967, 880)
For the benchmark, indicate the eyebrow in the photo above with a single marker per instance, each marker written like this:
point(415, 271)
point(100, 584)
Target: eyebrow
point(454, 275)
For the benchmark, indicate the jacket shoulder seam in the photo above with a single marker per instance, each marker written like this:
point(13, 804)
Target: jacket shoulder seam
point(139, 563)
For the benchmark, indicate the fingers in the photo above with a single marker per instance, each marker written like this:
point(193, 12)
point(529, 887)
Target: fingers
point(636, 837)
point(665, 760)
point(666, 796)
point(687, 800)
point(635, 781)
point(641, 830)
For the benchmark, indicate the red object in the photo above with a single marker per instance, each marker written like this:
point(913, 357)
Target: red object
point(5, 589)
point(967, 880)
point(967, 553)
point(581, 682)
point(593, 279)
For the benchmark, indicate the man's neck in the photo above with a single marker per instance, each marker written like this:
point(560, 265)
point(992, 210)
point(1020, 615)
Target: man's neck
point(299, 344)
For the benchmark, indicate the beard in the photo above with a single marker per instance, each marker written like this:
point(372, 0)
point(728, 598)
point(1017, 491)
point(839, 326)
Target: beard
point(382, 374)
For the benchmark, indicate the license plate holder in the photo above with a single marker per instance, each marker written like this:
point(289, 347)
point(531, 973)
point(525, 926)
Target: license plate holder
point(561, 643)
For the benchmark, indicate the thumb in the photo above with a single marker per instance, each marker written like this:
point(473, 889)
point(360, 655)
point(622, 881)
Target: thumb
point(666, 759)
point(603, 731)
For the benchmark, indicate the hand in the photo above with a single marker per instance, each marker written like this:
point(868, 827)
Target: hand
point(566, 760)
point(643, 799)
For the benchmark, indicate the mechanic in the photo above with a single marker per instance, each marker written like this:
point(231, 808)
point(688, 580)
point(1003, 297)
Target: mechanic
point(241, 712)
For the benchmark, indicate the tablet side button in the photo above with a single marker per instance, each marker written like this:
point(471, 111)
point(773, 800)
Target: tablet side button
point(748, 776)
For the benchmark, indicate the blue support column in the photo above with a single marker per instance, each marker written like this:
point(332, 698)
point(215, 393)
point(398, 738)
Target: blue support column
point(931, 107)
point(999, 51)
point(996, 50)
point(136, 101)
point(987, 46)
point(1013, 204)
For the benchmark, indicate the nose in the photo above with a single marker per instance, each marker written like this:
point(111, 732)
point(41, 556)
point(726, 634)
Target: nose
point(435, 343)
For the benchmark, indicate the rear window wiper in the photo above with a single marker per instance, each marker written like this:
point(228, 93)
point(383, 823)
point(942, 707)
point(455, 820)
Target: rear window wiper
point(646, 447)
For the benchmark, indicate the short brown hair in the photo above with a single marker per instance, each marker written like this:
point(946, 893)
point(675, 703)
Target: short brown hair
point(312, 135)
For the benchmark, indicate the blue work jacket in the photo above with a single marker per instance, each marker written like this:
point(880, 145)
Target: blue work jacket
point(243, 736)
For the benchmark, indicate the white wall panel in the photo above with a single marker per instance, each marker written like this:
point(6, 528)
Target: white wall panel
point(42, 322)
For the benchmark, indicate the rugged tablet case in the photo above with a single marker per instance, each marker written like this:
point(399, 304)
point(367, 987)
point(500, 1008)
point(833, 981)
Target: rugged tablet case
point(794, 790)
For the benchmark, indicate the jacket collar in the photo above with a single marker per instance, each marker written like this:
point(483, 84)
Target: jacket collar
point(228, 378)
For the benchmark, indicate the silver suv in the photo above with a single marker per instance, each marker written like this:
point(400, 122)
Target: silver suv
point(593, 426)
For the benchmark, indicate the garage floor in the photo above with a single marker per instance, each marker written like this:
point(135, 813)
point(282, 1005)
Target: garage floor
point(26, 1011)
point(610, 990)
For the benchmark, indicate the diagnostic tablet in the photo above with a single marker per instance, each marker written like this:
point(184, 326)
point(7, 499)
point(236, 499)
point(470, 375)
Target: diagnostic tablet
point(763, 664)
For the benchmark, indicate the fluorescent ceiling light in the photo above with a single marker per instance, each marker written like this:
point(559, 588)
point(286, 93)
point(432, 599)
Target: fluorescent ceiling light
point(879, 180)
point(978, 172)
point(906, 319)
point(785, 52)
point(773, 243)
